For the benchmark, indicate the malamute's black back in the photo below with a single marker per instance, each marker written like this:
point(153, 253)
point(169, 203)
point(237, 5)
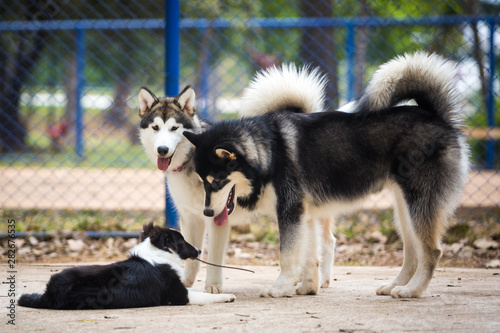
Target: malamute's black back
point(326, 163)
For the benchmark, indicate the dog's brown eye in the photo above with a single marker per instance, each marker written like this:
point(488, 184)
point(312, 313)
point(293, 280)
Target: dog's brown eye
point(156, 128)
point(174, 128)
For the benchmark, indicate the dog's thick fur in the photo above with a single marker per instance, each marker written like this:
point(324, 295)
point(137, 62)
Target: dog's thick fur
point(298, 166)
point(150, 277)
point(164, 119)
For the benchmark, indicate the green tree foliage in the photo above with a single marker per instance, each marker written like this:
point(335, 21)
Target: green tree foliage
point(220, 61)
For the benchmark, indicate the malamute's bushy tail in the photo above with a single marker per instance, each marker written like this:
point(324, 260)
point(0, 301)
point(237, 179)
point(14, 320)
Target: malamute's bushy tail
point(32, 301)
point(284, 87)
point(429, 79)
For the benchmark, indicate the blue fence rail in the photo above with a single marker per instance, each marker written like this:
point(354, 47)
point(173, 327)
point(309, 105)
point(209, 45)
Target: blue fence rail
point(173, 25)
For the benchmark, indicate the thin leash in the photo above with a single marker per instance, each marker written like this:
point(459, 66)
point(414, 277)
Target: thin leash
point(238, 268)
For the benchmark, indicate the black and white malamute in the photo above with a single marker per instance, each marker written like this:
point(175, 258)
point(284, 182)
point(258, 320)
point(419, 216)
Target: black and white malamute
point(150, 277)
point(298, 165)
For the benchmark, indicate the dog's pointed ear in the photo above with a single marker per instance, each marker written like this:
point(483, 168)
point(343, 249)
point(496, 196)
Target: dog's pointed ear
point(225, 154)
point(193, 138)
point(146, 230)
point(146, 100)
point(187, 100)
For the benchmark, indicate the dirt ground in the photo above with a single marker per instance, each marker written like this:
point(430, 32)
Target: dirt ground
point(457, 300)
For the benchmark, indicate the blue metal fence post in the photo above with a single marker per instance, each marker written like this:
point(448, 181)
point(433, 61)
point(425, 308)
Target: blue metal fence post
point(204, 77)
point(490, 144)
point(350, 50)
point(80, 87)
point(172, 36)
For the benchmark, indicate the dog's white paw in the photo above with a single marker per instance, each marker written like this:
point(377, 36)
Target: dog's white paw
point(273, 291)
point(213, 289)
point(405, 292)
point(385, 289)
point(227, 298)
point(325, 278)
point(307, 288)
point(201, 298)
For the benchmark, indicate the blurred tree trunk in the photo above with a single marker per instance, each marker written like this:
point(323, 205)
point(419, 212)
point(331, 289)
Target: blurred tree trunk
point(317, 45)
point(19, 54)
point(361, 49)
point(119, 113)
point(203, 78)
point(70, 88)
point(472, 8)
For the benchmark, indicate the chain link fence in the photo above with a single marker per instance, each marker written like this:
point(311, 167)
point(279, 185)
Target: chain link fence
point(70, 72)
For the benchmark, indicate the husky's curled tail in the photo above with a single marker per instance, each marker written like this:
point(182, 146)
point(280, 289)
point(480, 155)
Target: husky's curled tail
point(299, 89)
point(429, 79)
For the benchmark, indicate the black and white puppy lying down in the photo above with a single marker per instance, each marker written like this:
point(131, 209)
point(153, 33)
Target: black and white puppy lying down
point(151, 276)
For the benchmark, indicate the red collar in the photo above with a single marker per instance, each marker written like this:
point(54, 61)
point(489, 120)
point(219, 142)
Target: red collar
point(179, 168)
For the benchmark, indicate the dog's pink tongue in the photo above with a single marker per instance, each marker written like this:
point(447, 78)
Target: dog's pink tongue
point(221, 218)
point(163, 163)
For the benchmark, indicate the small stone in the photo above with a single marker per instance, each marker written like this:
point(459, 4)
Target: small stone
point(245, 238)
point(493, 264)
point(33, 241)
point(110, 242)
point(24, 250)
point(466, 252)
point(20, 243)
point(456, 247)
point(378, 237)
point(245, 255)
point(485, 243)
point(76, 245)
point(237, 252)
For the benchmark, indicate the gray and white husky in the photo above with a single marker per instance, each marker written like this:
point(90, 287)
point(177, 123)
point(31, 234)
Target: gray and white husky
point(164, 119)
point(297, 165)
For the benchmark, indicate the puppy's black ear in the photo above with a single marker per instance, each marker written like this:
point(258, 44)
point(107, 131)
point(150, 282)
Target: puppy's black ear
point(193, 138)
point(146, 230)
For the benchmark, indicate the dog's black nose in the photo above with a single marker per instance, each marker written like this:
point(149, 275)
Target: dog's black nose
point(208, 212)
point(199, 252)
point(162, 150)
